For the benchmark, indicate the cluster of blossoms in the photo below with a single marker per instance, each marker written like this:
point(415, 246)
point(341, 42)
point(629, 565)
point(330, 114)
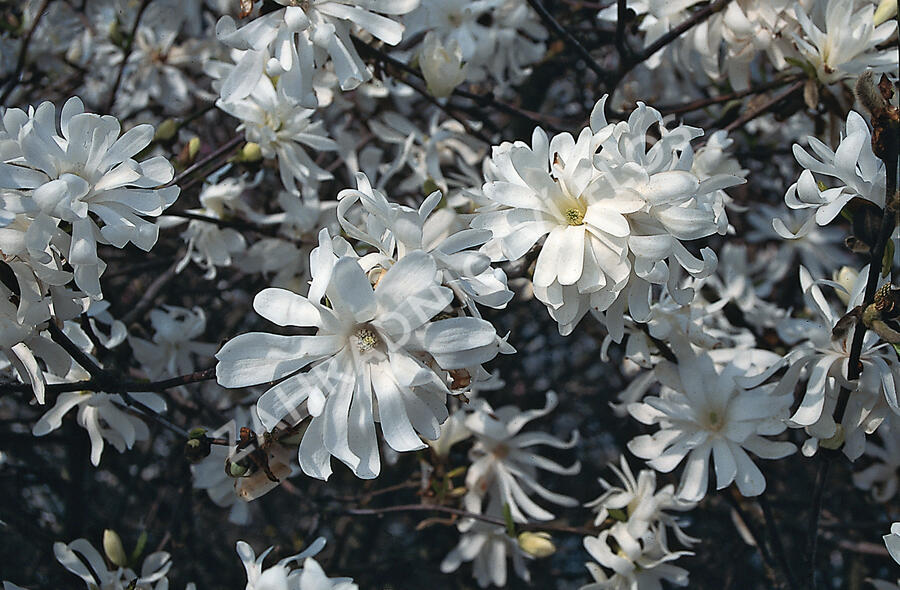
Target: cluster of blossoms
point(614, 211)
point(639, 530)
point(499, 481)
point(83, 560)
point(65, 190)
point(832, 39)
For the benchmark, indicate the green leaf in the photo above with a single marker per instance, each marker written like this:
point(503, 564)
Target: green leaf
point(139, 547)
point(888, 258)
point(510, 525)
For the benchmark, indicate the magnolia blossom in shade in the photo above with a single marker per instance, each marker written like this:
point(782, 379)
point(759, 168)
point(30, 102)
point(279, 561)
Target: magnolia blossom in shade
point(80, 558)
point(25, 345)
point(173, 344)
point(613, 213)
point(84, 174)
point(284, 576)
point(639, 506)
point(847, 44)
point(284, 130)
point(852, 168)
point(497, 39)
point(820, 356)
point(302, 37)
point(637, 563)
point(395, 230)
point(703, 413)
point(487, 546)
point(504, 467)
point(377, 352)
point(103, 415)
point(882, 476)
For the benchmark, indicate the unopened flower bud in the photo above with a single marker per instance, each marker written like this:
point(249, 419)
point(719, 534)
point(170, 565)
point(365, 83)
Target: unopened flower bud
point(193, 147)
point(250, 153)
point(835, 441)
point(537, 544)
point(886, 9)
point(441, 66)
point(166, 130)
point(846, 278)
point(112, 546)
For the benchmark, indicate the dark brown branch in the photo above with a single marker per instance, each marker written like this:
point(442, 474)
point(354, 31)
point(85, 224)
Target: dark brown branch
point(112, 384)
point(775, 540)
point(764, 107)
point(701, 103)
point(641, 56)
point(886, 145)
point(531, 526)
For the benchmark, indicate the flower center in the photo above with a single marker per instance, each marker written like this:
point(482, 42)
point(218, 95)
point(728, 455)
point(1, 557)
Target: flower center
point(714, 420)
point(574, 216)
point(366, 339)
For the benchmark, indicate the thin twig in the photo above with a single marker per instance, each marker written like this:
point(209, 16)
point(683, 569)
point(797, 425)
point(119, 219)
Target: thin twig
point(224, 149)
point(113, 384)
point(764, 107)
point(13, 79)
point(751, 528)
point(126, 54)
point(568, 38)
point(635, 58)
point(465, 514)
point(702, 103)
point(775, 540)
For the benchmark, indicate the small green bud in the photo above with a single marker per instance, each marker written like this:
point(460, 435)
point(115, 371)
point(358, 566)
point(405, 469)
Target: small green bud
point(537, 544)
point(835, 441)
point(250, 153)
point(166, 130)
point(112, 546)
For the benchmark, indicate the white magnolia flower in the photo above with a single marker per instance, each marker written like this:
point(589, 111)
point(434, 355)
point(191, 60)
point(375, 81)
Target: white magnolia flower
point(282, 576)
point(657, 17)
point(173, 344)
point(638, 563)
point(847, 44)
point(103, 415)
point(441, 65)
point(74, 555)
point(487, 546)
point(639, 506)
point(23, 344)
point(796, 236)
point(504, 468)
point(84, 175)
point(858, 172)
point(497, 39)
point(613, 219)
point(283, 130)
point(702, 411)
point(396, 230)
point(209, 245)
point(821, 357)
point(303, 36)
point(375, 353)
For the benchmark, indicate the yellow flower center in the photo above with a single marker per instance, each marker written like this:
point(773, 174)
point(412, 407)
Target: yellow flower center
point(574, 216)
point(366, 339)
